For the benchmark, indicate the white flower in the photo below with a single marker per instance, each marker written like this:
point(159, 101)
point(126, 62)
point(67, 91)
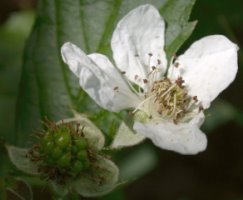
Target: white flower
point(167, 104)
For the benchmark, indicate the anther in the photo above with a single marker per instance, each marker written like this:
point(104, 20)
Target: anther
point(179, 82)
point(136, 77)
point(150, 54)
point(176, 65)
point(153, 68)
point(201, 108)
point(195, 98)
point(115, 88)
point(145, 80)
point(159, 61)
point(136, 55)
point(123, 72)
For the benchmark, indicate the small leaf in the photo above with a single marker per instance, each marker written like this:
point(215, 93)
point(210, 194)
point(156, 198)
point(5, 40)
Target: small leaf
point(100, 180)
point(125, 137)
point(18, 157)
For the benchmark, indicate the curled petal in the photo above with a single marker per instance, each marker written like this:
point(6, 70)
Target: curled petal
point(208, 67)
point(184, 138)
point(138, 43)
point(99, 78)
point(125, 137)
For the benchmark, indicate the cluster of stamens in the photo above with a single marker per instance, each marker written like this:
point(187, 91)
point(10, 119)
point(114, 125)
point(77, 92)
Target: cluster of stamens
point(170, 99)
point(163, 98)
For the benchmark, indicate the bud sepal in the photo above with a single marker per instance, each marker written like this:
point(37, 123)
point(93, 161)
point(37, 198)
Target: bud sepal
point(69, 155)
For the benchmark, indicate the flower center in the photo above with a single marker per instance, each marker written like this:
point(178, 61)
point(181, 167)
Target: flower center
point(170, 99)
point(166, 100)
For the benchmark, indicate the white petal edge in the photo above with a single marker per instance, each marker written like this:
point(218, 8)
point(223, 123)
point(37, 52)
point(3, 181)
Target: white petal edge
point(98, 77)
point(208, 67)
point(183, 138)
point(125, 137)
point(18, 157)
point(138, 34)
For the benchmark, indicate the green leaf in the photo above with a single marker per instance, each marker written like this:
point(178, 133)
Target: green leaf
point(101, 180)
point(176, 14)
point(18, 157)
point(13, 34)
point(48, 89)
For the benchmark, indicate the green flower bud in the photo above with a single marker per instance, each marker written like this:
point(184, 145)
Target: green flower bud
point(56, 152)
point(69, 154)
point(77, 167)
point(80, 143)
point(86, 164)
point(47, 146)
point(74, 149)
point(64, 160)
point(62, 139)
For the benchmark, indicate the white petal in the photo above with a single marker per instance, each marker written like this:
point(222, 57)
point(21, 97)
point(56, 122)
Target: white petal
point(208, 67)
point(184, 138)
point(125, 137)
point(99, 78)
point(138, 34)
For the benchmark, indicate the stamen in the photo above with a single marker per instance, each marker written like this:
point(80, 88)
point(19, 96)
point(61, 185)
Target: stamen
point(139, 105)
point(168, 90)
point(145, 80)
point(115, 88)
point(195, 98)
point(176, 65)
point(174, 108)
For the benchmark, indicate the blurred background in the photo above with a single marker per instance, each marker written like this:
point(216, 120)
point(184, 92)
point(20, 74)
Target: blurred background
point(216, 173)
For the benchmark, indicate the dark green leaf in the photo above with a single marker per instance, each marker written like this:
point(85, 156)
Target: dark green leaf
point(176, 14)
point(13, 33)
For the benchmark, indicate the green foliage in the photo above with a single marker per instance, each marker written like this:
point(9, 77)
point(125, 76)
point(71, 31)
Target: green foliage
point(12, 38)
point(176, 14)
